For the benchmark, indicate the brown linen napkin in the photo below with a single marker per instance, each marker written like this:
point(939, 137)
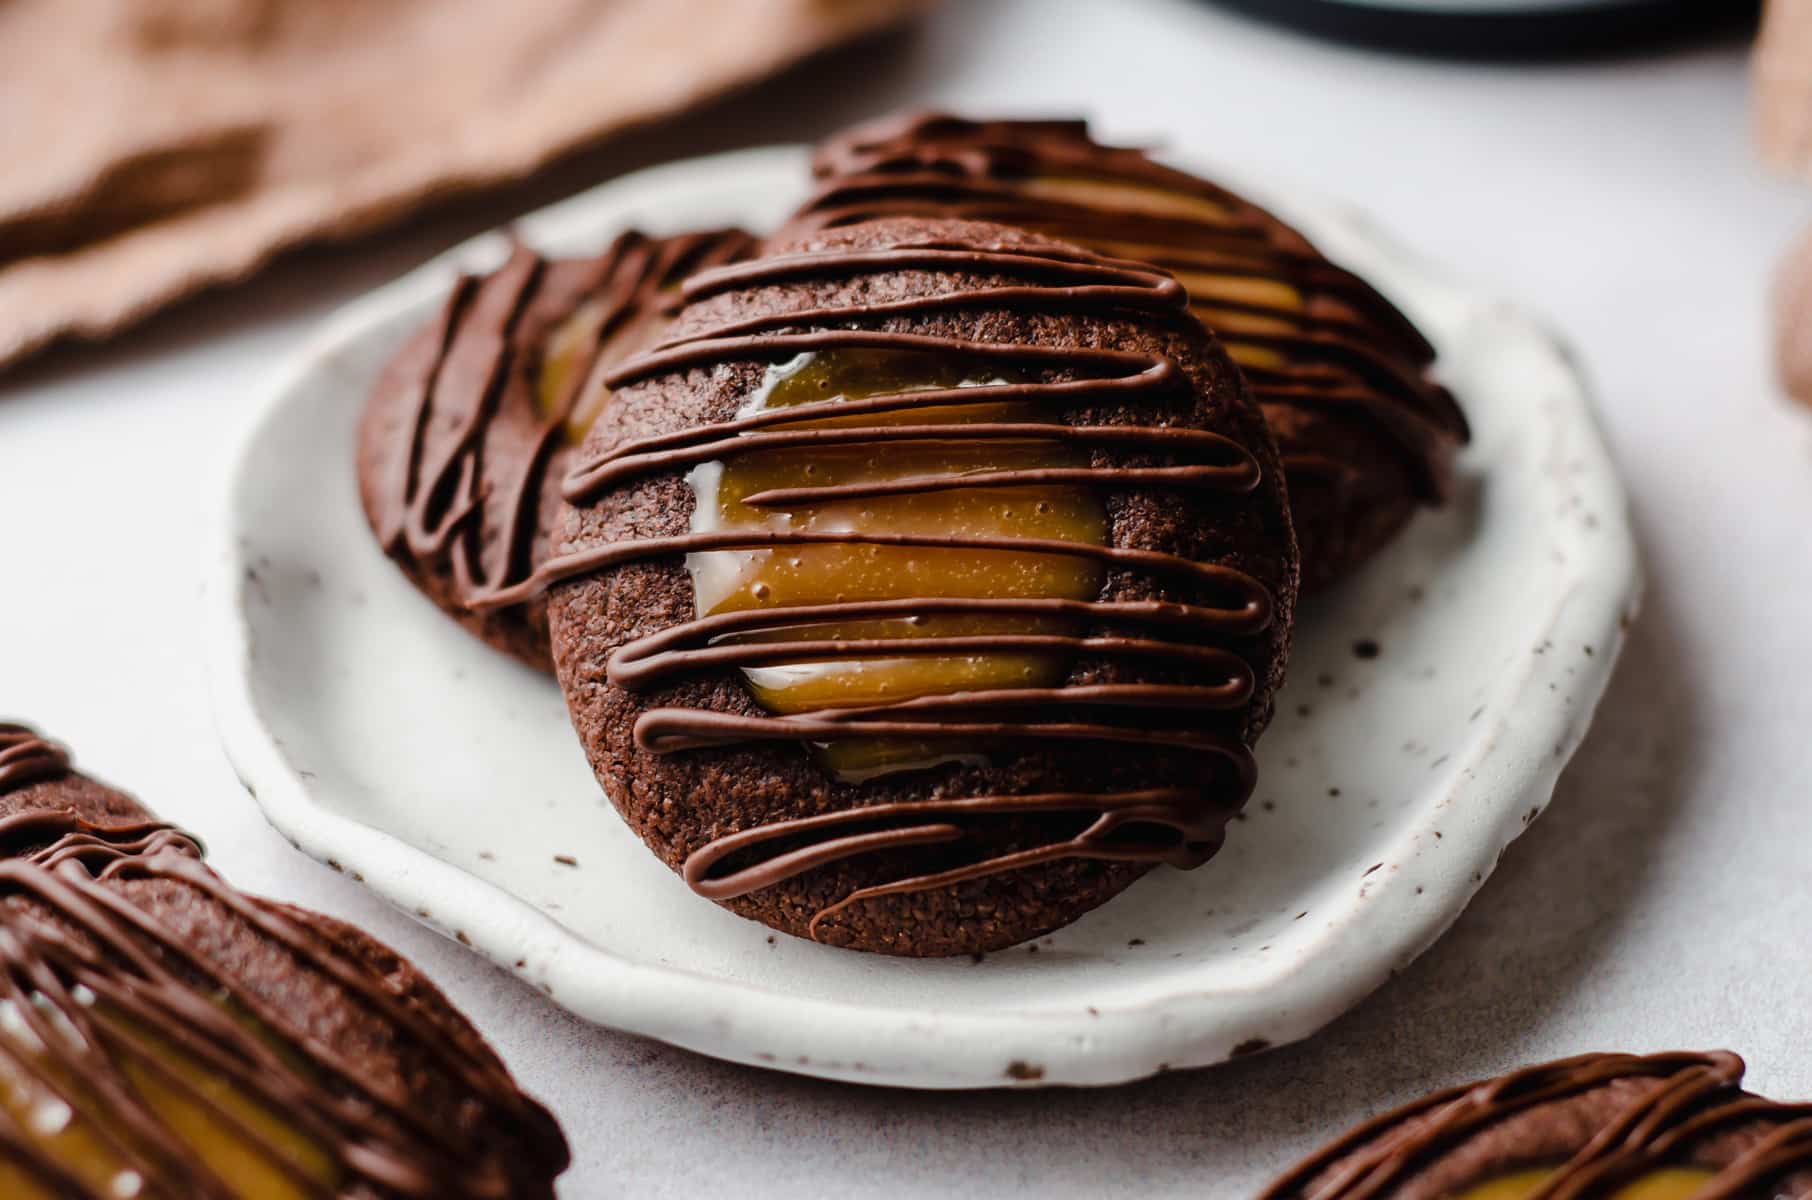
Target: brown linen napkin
point(1793, 319)
point(152, 147)
point(1783, 126)
point(1783, 86)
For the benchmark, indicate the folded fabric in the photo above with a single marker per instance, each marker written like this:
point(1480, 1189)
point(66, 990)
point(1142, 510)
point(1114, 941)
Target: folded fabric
point(157, 146)
point(1783, 86)
point(1783, 125)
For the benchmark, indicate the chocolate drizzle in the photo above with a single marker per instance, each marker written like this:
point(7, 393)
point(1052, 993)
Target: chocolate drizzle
point(462, 490)
point(1692, 1113)
point(1178, 826)
point(86, 977)
point(1343, 349)
point(1194, 820)
point(27, 758)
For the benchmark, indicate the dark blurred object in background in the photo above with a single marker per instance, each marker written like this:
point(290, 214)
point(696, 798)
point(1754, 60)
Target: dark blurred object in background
point(153, 147)
point(1508, 28)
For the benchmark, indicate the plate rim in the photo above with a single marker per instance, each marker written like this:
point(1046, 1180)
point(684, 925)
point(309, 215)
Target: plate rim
point(1182, 1023)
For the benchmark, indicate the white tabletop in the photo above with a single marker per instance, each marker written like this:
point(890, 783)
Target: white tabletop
point(1664, 901)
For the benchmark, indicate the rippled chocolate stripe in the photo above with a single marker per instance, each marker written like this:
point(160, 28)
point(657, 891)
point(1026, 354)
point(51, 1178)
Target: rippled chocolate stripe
point(1357, 353)
point(969, 169)
point(50, 837)
point(86, 997)
point(1698, 1097)
point(440, 489)
point(1047, 279)
point(1786, 1150)
point(27, 758)
point(1196, 818)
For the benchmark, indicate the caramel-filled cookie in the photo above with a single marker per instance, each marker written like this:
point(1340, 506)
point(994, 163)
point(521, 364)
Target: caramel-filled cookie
point(164, 1035)
point(467, 432)
point(1365, 435)
point(926, 588)
point(1595, 1127)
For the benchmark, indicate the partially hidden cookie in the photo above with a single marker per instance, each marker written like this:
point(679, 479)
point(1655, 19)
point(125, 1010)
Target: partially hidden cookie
point(1595, 1127)
point(468, 428)
point(1365, 433)
point(1792, 311)
point(926, 588)
point(163, 1034)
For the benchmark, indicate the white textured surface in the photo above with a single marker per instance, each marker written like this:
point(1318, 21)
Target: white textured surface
point(387, 743)
point(1662, 902)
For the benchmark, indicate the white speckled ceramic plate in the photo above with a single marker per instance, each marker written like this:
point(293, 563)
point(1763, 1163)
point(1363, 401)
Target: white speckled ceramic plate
point(382, 739)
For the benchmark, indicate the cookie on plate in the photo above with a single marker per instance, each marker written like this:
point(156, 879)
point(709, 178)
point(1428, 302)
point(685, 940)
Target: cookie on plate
point(469, 427)
point(1596, 1127)
point(163, 1034)
point(926, 588)
point(1365, 433)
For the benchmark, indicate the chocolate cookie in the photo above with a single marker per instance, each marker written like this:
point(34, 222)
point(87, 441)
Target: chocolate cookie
point(1364, 433)
point(466, 434)
point(926, 588)
point(1595, 1127)
point(163, 1034)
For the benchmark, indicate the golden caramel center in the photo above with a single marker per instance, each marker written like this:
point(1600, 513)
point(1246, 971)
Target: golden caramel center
point(1126, 195)
point(68, 1113)
point(827, 574)
point(560, 393)
point(1665, 1183)
point(1229, 288)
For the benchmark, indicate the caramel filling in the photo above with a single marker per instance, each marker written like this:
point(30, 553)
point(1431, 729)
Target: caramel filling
point(1665, 1183)
point(1125, 196)
point(1223, 300)
point(1668, 1183)
point(62, 1110)
point(771, 490)
point(568, 352)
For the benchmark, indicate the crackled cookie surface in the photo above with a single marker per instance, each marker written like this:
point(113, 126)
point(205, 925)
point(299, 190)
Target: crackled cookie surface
point(926, 587)
point(164, 1035)
point(1365, 434)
